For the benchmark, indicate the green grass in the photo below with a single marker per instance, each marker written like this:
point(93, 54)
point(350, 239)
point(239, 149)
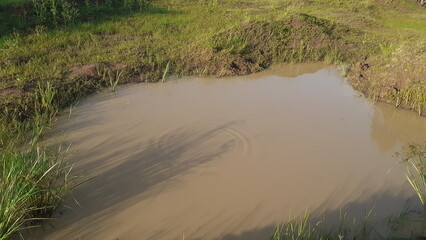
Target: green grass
point(307, 227)
point(416, 24)
point(33, 180)
point(32, 183)
point(8, 2)
point(415, 157)
point(302, 229)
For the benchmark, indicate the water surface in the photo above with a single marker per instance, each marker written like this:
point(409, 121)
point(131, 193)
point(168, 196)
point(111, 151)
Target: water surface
point(230, 158)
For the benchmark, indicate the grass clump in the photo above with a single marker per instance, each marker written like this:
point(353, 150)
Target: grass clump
point(299, 230)
point(414, 97)
point(415, 158)
point(310, 228)
point(298, 38)
point(32, 183)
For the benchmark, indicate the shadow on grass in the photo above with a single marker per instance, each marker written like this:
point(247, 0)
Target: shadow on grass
point(20, 17)
point(5, 3)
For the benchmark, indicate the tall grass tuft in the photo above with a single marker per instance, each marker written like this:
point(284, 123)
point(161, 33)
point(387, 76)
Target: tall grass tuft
point(166, 71)
point(414, 97)
point(31, 185)
point(415, 157)
point(114, 79)
point(308, 228)
point(44, 109)
point(301, 229)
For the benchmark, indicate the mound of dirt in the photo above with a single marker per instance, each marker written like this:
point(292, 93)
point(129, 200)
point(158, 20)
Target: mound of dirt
point(253, 46)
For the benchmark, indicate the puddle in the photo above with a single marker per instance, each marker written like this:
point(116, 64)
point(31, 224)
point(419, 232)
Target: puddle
point(230, 158)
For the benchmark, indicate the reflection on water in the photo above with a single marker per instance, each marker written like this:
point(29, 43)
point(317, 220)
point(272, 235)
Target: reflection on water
point(392, 126)
point(230, 158)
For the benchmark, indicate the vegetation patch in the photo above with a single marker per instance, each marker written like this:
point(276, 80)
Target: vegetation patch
point(399, 79)
point(255, 45)
point(32, 184)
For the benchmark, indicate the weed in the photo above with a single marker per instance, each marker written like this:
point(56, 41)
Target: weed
point(166, 71)
point(387, 48)
point(299, 230)
point(114, 79)
point(71, 109)
point(415, 96)
point(308, 228)
point(415, 157)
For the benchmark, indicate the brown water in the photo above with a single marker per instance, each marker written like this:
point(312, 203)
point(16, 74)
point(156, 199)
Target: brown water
point(230, 158)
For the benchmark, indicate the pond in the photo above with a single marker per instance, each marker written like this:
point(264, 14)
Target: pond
point(229, 158)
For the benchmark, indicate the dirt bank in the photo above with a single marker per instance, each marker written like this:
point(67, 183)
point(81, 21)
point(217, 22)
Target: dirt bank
point(399, 79)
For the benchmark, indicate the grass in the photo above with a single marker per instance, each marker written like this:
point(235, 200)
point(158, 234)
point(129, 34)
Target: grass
point(32, 183)
point(52, 53)
point(415, 95)
point(415, 158)
point(307, 227)
point(33, 180)
point(8, 2)
point(399, 80)
point(300, 230)
point(163, 79)
point(114, 79)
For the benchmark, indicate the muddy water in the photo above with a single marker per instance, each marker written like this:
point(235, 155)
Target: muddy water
point(230, 158)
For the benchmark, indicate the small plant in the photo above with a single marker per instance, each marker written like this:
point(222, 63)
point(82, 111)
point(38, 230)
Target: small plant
point(44, 109)
point(114, 79)
point(416, 170)
point(166, 71)
point(404, 216)
point(387, 48)
point(307, 228)
point(415, 159)
point(414, 97)
point(111, 78)
point(299, 230)
point(71, 109)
